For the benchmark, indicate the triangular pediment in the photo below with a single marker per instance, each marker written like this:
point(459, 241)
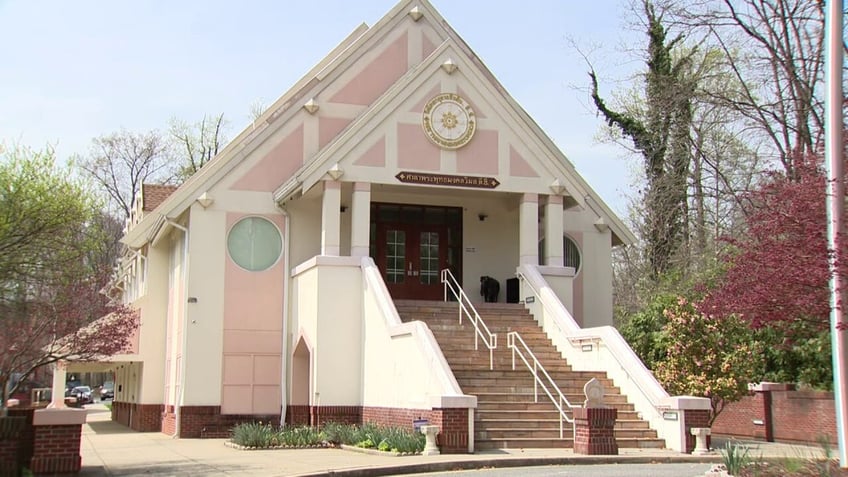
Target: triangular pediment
point(389, 138)
point(360, 110)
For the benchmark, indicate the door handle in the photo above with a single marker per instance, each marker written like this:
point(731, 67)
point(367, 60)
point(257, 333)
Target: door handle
point(409, 271)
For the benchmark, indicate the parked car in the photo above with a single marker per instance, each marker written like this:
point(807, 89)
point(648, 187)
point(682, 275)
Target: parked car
point(83, 394)
point(107, 391)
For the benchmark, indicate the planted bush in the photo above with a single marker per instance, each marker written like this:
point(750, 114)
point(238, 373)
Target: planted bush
point(369, 436)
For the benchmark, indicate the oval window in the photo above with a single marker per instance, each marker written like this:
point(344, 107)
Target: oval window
point(254, 243)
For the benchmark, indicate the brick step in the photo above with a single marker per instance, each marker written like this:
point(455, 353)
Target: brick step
point(572, 394)
point(551, 432)
point(441, 306)
point(526, 378)
point(507, 416)
point(553, 420)
point(528, 443)
point(504, 361)
point(565, 443)
point(518, 372)
point(520, 403)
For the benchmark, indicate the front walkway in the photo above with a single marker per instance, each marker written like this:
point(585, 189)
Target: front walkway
point(110, 449)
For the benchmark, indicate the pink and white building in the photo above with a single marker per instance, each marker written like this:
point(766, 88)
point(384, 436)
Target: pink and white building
point(266, 281)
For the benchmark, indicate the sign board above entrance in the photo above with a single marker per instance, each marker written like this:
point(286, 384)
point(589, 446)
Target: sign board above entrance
point(446, 180)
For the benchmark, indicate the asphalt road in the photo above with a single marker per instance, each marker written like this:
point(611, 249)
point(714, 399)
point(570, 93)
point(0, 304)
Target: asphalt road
point(601, 470)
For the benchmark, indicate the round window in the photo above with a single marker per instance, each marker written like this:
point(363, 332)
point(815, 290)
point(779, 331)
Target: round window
point(254, 243)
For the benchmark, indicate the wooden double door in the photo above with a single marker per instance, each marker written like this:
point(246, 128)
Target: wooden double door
point(412, 245)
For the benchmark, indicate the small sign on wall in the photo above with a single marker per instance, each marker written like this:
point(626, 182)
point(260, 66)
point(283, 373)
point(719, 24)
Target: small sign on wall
point(470, 249)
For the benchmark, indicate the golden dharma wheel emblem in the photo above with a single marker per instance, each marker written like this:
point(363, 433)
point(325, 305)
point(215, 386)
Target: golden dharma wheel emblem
point(449, 121)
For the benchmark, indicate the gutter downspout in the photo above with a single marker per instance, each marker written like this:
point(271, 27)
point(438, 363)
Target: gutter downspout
point(179, 397)
point(286, 303)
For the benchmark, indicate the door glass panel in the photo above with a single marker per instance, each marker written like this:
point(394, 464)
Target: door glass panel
point(429, 258)
point(395, 256)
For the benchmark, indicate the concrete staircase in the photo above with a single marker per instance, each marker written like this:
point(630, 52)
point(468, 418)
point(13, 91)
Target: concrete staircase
point(506, 415)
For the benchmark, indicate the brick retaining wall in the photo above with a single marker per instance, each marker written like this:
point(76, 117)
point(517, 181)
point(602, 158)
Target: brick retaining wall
point(780, 415)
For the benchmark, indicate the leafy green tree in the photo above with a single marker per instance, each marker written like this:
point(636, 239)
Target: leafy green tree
point(51, 272)
point(645, 330)
point(711, 357)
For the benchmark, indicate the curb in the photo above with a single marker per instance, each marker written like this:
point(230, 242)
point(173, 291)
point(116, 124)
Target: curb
point(446, 466)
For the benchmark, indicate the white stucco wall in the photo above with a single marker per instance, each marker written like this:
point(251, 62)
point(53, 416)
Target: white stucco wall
point(204, 307)
point(593, 282)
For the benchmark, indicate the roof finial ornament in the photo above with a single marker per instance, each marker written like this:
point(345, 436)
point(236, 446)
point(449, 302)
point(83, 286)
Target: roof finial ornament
point(449, 66)
point(311, 106)
point(416, 13)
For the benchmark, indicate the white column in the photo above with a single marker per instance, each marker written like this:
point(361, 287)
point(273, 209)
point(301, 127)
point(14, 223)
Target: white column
point(360, 220)
point(60, 375)
point(528, 233)
point(553, 231)
point(331, 218)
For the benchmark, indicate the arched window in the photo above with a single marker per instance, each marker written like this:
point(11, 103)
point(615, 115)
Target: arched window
point(570, 251)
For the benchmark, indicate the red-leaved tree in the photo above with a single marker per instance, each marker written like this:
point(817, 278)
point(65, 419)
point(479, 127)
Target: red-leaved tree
point(69, 322)
point(777, 272)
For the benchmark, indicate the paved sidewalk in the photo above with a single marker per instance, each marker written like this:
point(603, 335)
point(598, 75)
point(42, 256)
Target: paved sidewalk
point(110, 449)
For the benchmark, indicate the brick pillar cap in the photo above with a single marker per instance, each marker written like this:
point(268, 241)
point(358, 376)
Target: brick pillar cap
point(766, 386)
point(686, 402)
point(58, 417)
point(446, 402)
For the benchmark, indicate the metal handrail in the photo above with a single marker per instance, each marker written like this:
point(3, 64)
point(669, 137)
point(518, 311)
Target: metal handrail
point(538, 371)
point(576, 335)
point(481, 331)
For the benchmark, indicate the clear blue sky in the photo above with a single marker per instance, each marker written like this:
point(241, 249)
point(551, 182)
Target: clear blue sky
point(74, 70)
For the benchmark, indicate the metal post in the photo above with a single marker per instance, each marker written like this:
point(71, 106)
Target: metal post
point(835, 200)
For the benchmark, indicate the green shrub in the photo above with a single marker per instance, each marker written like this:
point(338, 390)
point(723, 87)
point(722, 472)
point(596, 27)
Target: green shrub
point(735, 457)
point(369, 436)
point(300, 436)
point(253, 434)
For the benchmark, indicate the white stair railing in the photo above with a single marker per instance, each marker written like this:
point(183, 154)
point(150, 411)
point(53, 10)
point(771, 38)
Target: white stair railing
point(466, 309)
point(540, 378)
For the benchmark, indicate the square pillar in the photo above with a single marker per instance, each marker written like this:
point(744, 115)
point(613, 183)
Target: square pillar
point(60, 374)
point(528, 229)
point(360, 220)
point(57, 440)
point(594, 431)
point(553, 231)
point(331, 218)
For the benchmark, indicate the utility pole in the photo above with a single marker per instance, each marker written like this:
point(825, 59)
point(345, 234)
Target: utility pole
point(835, 203)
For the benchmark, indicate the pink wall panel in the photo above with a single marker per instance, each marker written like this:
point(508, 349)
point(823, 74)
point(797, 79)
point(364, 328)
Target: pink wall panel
point(480, 156)
point(375, 156)
point(252, 351)
point(415, 151)
point(234, 369)
point(377, 76)
point(427, 47)
point(266, 370)
point(518, 166)
point(272, 170)
point(237, 400)
point(266, 400)
point(239, 341)
point(419, 108)
point(329, 128)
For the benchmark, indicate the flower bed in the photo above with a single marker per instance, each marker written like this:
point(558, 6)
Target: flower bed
point(391, 440)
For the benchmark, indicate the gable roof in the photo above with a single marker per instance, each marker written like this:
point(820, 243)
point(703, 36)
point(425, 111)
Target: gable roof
point(154, 194)
point(316, 166)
